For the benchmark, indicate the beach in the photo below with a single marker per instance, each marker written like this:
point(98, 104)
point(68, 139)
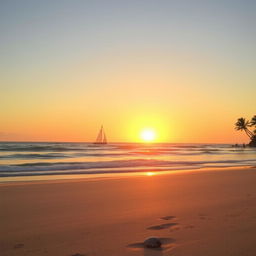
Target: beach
point(127, 128)
point(195, 212)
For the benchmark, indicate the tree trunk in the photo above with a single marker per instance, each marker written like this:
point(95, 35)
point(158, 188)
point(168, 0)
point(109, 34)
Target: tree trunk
point(248, 133)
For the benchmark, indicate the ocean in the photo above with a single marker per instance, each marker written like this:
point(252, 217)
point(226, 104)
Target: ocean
point(46, 160)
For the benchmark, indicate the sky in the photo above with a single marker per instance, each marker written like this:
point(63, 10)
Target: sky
point(183, 68)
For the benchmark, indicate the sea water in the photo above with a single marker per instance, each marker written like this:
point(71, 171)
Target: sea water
point(33, 159)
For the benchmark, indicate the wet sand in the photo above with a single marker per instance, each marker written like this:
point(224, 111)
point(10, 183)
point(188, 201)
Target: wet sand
point(210, 212)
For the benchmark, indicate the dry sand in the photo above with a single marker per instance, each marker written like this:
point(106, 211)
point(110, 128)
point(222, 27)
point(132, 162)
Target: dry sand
point(198, 213)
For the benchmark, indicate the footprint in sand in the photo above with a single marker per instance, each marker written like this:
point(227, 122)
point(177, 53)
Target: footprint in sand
point(162, 226)
point(168, 217)
point(18, 246)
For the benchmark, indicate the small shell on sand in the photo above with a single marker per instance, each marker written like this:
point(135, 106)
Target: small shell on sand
point(152, 242)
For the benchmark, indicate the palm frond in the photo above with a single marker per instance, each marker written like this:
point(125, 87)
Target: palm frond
point(253, 121)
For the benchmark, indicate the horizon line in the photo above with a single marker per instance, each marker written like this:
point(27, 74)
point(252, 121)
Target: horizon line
point(115, 142)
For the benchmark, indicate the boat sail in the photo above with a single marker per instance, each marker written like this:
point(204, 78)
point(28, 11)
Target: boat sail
point(101, 138)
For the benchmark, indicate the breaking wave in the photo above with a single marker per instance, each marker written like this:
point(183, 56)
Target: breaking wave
point(30, 159)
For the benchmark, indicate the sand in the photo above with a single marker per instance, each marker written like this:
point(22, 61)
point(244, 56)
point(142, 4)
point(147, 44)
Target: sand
point(210, 212)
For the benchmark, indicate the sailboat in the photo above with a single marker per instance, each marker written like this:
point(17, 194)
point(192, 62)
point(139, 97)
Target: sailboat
point(101, 138)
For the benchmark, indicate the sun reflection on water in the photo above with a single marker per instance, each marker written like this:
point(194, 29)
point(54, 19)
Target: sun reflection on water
point(150, 173)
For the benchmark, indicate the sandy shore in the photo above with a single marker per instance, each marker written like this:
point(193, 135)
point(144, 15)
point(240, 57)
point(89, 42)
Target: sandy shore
point(197, 212)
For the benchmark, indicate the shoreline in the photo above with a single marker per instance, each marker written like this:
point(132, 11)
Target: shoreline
point(116, 175)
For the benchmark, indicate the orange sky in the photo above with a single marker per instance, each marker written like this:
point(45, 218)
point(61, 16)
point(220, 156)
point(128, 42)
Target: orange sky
point(170, 67)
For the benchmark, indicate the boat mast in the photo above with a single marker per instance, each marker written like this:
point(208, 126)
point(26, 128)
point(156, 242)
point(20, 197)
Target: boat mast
point(99, 137)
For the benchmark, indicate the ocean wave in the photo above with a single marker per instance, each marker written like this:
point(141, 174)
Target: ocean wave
point(98, 171)
point(21, 159)
point(34, 156)
point(58, 155)
point(32, 148)
point(47, 167)
point(51, 147)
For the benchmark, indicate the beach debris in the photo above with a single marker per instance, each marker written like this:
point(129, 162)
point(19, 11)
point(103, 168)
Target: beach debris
point(160, 243)
point(152, 242)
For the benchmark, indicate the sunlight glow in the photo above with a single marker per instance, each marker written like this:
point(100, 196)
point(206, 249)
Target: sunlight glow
point(148, 135)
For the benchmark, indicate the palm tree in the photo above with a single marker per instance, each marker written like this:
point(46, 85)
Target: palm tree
point(253, 121)
point(242, 125)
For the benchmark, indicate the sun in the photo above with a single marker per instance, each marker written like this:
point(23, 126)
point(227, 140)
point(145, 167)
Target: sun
point(148, 135)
